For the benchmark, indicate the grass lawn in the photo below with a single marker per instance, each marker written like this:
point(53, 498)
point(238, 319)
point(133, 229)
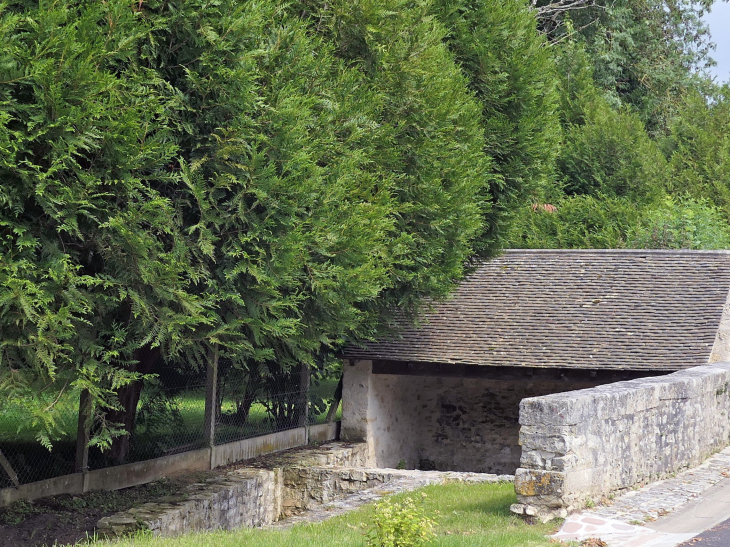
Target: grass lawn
point(466, 515)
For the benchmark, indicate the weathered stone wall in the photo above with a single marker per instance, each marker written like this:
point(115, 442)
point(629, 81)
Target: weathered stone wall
point(274, 486)
point(426, 422)
point(309, 487)
point(586, 444)
point(245, 497)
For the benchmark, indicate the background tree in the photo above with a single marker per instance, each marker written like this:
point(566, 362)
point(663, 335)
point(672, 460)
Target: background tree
point(699, 148)
point(511, 72)
point(645, 53)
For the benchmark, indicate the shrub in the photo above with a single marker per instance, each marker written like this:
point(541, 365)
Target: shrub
point(400, 525)
point(613, 155)
point(683, 223)
point(580, 222)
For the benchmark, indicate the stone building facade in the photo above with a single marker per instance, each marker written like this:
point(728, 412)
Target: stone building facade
point(446, 395)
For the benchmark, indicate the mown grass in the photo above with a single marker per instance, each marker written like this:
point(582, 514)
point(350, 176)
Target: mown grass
point(467, 516)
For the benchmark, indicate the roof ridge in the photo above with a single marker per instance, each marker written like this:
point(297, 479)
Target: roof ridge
point(620, 251)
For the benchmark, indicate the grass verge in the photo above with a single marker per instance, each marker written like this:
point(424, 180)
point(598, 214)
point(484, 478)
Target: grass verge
point(474, 515)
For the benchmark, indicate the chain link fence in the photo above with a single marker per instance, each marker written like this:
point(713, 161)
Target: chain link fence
point(170, 418)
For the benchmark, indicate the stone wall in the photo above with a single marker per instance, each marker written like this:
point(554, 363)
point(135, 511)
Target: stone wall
point(309, 487)
point(447, 424)
point(587, 444)
point(258, 495)
point(245, 497)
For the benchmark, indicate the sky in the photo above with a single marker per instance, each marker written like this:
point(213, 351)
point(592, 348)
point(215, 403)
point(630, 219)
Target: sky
point(719, 21)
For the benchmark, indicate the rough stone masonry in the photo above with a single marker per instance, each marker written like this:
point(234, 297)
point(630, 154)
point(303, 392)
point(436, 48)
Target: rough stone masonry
point(587, 444)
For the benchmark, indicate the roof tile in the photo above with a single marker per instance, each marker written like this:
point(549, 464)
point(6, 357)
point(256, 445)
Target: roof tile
point(628, 309)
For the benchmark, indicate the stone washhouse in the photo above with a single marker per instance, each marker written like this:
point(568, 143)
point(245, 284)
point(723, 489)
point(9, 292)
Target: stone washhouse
point(445, 395)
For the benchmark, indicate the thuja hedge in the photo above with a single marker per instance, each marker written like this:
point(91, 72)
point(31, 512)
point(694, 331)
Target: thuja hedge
point(258, 180)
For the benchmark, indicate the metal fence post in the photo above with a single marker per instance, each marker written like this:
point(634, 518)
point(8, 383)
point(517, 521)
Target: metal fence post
point(211, 400)
point(81, 464)
point(303, 403)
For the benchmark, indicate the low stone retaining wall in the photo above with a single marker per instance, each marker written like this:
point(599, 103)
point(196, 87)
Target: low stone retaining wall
point(273, 488)
point(244, 497)
point(309, 487)
point(586, 444)
point(252, 496)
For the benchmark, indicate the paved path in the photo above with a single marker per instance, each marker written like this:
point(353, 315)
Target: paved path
point(717, 536)
point(662, 514)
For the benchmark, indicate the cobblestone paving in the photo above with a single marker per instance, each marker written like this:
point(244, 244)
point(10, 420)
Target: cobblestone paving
point(616, 522)
point(662, 497)
point(404, 481)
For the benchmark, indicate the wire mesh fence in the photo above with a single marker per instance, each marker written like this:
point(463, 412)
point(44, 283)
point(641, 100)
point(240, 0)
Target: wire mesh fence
point(170, 418)
point(20, 443)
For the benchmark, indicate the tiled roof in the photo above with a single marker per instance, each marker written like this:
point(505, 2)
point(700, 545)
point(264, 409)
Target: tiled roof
point(601, 309)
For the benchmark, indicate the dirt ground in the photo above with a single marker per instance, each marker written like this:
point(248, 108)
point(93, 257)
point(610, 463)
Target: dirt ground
point(67, 520)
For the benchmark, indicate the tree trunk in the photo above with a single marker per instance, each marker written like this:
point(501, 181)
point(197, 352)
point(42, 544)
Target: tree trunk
point(243, 406)
point(335, 402)
point(128, 397)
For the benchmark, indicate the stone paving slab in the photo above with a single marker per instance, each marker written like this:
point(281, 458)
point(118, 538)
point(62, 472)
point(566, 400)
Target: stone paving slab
point(646, 505)
point(615, 532)
point(400, 481)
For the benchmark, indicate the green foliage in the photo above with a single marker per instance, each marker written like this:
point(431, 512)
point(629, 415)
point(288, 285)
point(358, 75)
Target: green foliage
point(683, 223)
point(275, 200)
point(576, 88)
point(580, 222)
point(400, 524)
point(645, 54)
point(699, 148)
point(429, 144)
point(186, 179)
point(611, 154)
point(601, 222)
point(87, 241)
point(512, 74)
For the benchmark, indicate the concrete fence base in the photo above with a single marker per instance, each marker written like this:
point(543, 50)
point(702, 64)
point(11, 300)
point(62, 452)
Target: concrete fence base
point(587, 444)
point(134, 474)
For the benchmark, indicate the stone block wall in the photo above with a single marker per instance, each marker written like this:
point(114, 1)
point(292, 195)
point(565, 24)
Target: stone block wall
point(305, 488)
point(587, 444)
point(245, 497)
point(439, 423)
point(273, 487)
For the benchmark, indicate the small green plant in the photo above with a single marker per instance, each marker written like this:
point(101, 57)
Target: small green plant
point(590, 504)
point(400, 525)
point(17, 512)
point(401, 465)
